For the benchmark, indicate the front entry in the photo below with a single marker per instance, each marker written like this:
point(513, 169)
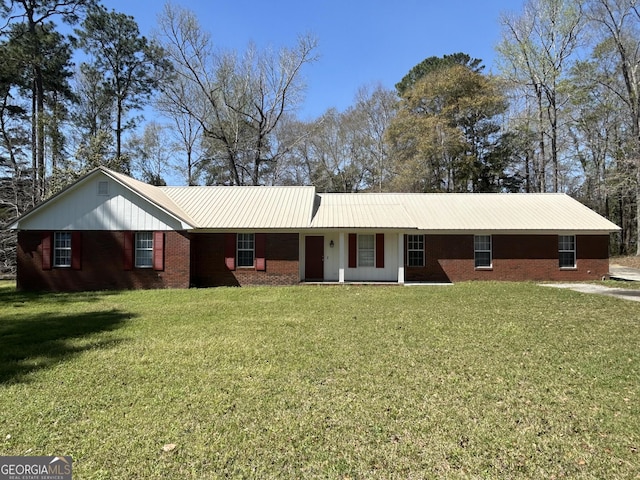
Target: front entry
point(314, 258)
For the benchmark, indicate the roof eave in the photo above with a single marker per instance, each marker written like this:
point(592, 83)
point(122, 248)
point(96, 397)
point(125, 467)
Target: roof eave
point(494, 231)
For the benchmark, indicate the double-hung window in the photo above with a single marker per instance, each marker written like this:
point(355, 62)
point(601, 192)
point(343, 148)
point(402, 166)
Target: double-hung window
point(62, 249)
point(482, 251)
point(415, 250)
point(567, 251)
point(144, 249)
point(366, 250)
point(246, 249)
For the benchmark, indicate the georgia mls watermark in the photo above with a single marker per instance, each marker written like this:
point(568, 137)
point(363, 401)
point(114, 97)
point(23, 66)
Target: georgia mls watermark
point(35, 468)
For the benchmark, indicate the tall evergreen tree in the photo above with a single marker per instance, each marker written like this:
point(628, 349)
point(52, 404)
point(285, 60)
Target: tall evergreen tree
point(31, 19)
point(131, 67)
point(445, 136)
point(433, 64)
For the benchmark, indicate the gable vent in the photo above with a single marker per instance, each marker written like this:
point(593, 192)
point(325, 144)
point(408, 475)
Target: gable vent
point(103, 188)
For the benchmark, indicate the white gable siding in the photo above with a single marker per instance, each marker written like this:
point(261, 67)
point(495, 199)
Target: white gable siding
point(84, 209)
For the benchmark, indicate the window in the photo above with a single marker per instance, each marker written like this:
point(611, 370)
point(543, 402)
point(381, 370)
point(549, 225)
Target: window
point(246, 249)
point(144, 249)
point(62, 249)
point(482, 251)
point(415, 250)
point(567, 251)
point(366, 251)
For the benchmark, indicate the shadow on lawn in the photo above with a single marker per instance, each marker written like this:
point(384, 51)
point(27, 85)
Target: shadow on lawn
point(33, 342)
point(10, 297)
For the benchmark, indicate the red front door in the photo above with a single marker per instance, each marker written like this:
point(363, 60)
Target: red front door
point(314, 258)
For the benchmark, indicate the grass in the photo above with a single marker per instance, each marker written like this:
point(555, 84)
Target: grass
point(475, 380)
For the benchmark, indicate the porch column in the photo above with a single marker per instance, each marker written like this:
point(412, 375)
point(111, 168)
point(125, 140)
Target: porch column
point(341, 259)
point(401, 258)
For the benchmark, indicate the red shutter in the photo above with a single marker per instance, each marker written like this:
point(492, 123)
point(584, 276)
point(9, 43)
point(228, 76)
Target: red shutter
point(380, 250)
point(353, 250)
point(128, 250)
point(158, 250)
point(261, 249)
point(46, 250)
point(230, 250)
point(76, 250)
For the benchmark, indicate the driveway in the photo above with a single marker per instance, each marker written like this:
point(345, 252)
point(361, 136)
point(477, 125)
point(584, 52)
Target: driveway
point(618, 272)
point(624, 293)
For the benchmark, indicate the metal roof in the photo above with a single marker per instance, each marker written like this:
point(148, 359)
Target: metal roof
point(255, 208)
point(366, 210)
point(460, 212)
point(300, 207)
point(520, 212)
point(245, 207)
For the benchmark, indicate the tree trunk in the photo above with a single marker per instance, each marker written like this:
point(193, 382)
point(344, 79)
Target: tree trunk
point(40, 134)
point(119, 137)
point(637, 204)
point(37, 111)
point(233, 167)
point(542, 162)
point(527, 173)
point(553, 120)
point(34, 148)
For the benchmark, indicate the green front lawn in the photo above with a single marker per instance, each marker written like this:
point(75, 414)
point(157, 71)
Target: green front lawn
point(475, 380)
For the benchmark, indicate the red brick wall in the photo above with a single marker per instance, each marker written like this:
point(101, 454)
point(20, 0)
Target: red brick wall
point(102, 265)
point(199, 262)
point(450, 258)
point(209, 269)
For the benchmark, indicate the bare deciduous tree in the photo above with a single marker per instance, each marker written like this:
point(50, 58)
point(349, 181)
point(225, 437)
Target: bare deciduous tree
point(238, 100)
point(535, 50)
point(187, 134)
point(618, 22)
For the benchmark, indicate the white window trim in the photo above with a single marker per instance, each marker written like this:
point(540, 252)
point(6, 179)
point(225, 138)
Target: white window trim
point(57, 249)
point(573, 251)
point(373, 259)
point(252, 250)
point(479, 250)
point(409, 249)
point(141, 249)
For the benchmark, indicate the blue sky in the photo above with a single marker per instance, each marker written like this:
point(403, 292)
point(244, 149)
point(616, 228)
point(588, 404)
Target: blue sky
point(360, 43)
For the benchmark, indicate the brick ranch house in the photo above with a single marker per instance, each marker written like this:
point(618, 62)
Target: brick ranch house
point(109, 231)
